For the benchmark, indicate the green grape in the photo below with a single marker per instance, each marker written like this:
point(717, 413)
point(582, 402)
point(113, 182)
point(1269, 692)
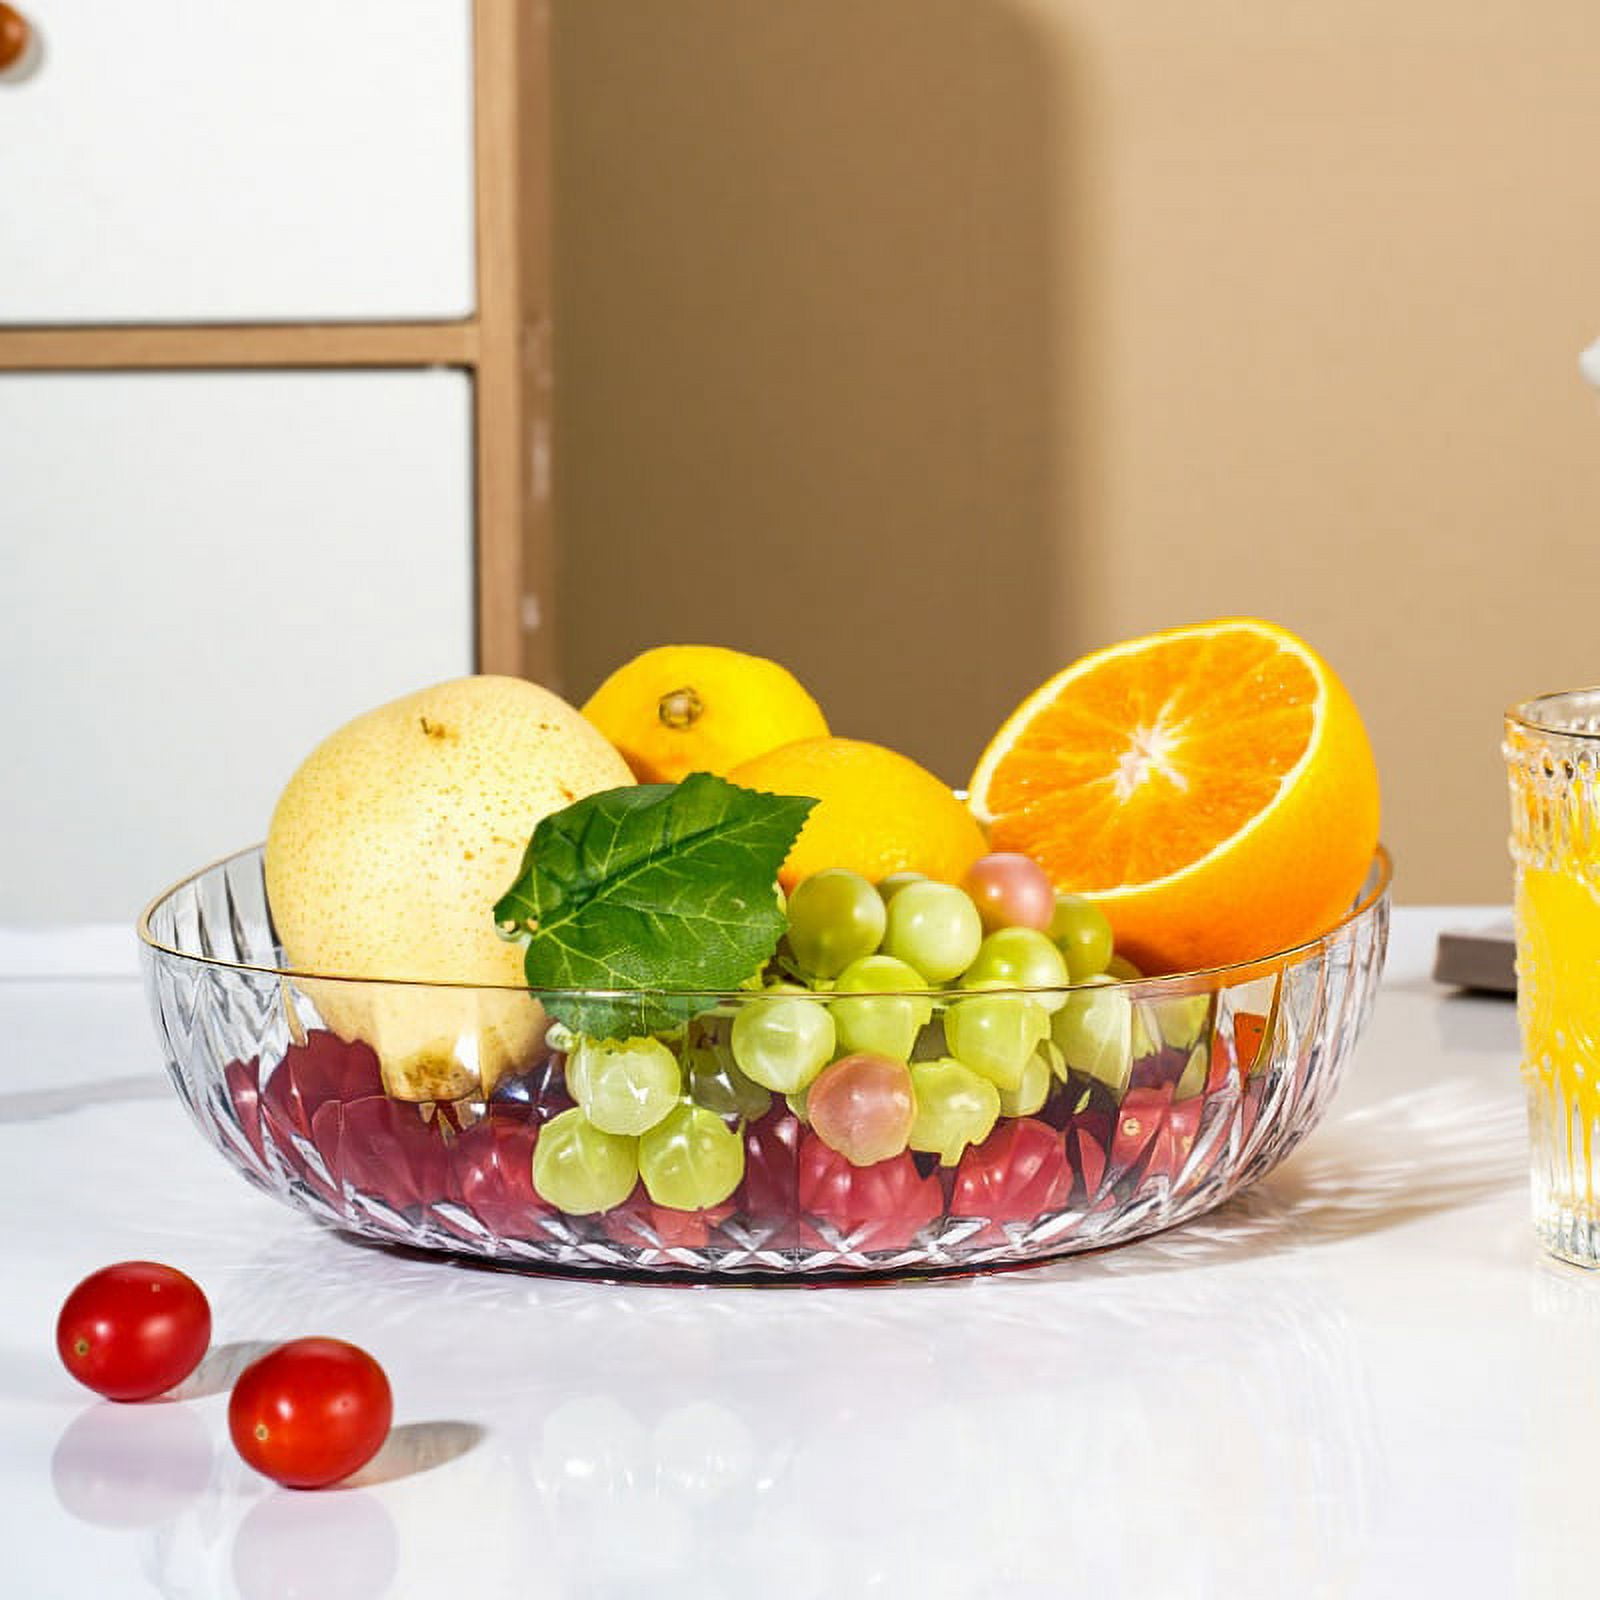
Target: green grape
point(624, 1085)
point(995, 1034)
point(886, 1019)
point(889, 887)
point(1123, 970)
point(1197, 1069)
point(782, 1041)
point(955, 1107)
point(579, 1168)
point(835, 917)
point(1144, 1040)
point(1082, 934)
point(1054, 1059)
point(691, 1159)
point(1094, 1033)
point(935, 928)
point(1178, 1021)
point(713, 1080)
point(1033, 1087)
point(1020, 958)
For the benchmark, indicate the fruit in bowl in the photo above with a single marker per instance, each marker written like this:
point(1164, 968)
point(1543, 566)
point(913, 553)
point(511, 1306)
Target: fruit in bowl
point(1211, 788)
point(387, 845)
point(817, 1015)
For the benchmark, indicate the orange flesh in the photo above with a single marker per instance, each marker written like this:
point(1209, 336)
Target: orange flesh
point(1150, 760)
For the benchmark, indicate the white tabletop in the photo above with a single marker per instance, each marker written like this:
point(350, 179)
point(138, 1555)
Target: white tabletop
point(1359, 1379)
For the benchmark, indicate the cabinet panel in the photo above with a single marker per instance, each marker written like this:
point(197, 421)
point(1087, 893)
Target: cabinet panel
point(183, 161)
point(200, 576)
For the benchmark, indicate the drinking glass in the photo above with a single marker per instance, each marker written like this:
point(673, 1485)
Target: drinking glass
point(1552, 751)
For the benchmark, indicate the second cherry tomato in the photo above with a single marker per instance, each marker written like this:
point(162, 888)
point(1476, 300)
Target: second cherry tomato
point(133, 1330)
point(310, 1412)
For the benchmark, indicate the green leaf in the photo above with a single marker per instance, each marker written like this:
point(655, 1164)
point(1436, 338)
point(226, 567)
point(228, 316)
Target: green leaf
point(659, 887)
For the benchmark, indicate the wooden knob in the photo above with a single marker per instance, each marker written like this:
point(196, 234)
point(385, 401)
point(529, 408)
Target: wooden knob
point(13, 36)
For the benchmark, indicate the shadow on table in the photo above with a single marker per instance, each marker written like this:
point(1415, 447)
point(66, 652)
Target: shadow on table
point(34, 1105)
point(1404, 1159)
point(222, 1365)
point(415, 1447)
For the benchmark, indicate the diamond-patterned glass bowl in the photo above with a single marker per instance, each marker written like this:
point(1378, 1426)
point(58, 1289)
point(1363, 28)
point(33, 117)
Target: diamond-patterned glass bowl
point(1207, 1082)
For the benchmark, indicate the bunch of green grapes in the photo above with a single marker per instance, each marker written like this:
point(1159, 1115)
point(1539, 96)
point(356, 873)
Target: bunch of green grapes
point(914, 1014)
point(907, 1014)
point(634, 1121)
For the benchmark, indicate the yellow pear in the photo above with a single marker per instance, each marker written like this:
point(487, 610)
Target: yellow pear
point(387, 852)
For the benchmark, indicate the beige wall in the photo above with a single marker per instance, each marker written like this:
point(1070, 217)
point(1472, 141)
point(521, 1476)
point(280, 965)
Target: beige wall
point(924, 344)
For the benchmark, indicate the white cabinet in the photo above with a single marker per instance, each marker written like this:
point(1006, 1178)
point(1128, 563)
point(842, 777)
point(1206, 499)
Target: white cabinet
point(201, 574)
point(187, 161)
point(241, 499)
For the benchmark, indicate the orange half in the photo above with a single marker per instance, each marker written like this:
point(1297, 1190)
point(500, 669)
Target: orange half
point(1211, 787)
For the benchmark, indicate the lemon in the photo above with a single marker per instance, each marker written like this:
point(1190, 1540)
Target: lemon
point(683, 708)
point(878, 812)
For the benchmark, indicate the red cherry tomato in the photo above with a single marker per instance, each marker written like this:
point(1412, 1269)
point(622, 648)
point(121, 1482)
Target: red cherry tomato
point(133, 1330)
point(310, 1412)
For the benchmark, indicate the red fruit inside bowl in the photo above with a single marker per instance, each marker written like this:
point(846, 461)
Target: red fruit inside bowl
point(1161, 1069)
point(1174, 1140)
point(324, 1068)
point(1249, 1030)
point(690, 1230)
point(1153, 1136)
point(492, 1166)
point(643, 1225)
point(311, 1075)
point(1018, 1173)
point(1139, 1119)
point(880, 1207)
point(771, 1185)
point(1088, 1136)
point(768, 1197)
point(385, 1149)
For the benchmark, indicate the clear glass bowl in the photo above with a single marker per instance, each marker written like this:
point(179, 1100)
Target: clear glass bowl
point(1221, 1075)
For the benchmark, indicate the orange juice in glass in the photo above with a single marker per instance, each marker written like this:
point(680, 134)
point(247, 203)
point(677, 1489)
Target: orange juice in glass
point(1552, 750)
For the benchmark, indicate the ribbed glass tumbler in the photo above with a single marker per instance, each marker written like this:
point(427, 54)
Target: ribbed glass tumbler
point(1552, 750)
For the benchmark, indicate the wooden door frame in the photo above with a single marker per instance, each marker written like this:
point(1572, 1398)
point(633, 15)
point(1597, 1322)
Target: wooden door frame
point(504, 346)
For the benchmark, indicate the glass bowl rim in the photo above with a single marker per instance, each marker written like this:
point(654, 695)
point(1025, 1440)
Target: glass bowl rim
point(1525, 714)
point(1376, 885)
